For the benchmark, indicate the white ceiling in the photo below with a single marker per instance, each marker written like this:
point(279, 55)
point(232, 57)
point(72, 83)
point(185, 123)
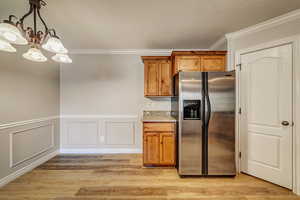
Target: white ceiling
point(150, 24)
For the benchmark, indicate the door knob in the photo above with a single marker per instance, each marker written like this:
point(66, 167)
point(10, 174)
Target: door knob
point(285, 123)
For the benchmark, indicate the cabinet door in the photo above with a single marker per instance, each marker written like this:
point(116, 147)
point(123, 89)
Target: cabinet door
point(213, 63)
point(165, 83)
point(188, 63)
point(151, 79)
point(151, 148)
point(167, 149)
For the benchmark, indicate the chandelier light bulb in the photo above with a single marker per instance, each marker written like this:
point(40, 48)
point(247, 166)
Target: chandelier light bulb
point(54, 45)
point(12, 34)
point(62, 58)
point(5, 46)
point(10, 37)
point(34, 54)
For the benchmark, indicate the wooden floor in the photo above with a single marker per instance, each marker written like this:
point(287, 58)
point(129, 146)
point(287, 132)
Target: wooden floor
point(104, 177)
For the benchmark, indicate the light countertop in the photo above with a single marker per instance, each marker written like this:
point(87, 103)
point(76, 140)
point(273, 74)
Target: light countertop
point(158, 116)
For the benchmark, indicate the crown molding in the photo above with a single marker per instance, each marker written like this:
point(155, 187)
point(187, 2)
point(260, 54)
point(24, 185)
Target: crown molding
point(218, 43)
point(266, 24)
point(140, 52)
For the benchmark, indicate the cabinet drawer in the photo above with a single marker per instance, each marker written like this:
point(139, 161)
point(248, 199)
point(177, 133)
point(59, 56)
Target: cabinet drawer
point(159, 127)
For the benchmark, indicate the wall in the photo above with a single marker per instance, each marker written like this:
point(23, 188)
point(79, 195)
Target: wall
point(29, 113)
point(277, 32)
point(102, 99)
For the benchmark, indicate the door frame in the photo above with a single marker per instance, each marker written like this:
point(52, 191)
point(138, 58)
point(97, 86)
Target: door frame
point(295, 41)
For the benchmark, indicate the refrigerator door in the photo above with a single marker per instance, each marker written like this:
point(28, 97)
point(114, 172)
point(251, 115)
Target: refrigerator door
point(190, 123)
point(221, 129)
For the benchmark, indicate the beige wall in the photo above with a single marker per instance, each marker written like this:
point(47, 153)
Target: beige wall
point(105, 85)
point(29, 100)
point(29, 90)
point(275, 33)
point(103, 96)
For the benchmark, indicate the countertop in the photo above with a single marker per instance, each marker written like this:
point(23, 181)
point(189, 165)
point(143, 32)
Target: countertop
point(158, 116)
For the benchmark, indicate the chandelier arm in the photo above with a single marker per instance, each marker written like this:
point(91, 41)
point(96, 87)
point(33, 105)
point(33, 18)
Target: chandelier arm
point(45, 25)
point(11, 17)
point(34, 20)
point(53, 34)
point(26, 15)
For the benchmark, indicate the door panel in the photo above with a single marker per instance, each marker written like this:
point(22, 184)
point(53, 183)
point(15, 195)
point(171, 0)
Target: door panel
point(151, 148)
point(190, 131)
point(165, 78)
point(213, 63)
point(167, 149)
point(221, 130)
point(151, 79)
point(266, 101)
point(188, 63)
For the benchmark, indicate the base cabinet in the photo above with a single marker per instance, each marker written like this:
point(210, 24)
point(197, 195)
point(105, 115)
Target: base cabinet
point(159, 146)
point(151, 148)
point(167, 149)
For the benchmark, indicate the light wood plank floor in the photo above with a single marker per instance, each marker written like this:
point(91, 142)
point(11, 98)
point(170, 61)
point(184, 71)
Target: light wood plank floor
point(105, 177)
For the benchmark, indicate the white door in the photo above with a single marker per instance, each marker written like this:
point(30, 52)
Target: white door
point(266, 119)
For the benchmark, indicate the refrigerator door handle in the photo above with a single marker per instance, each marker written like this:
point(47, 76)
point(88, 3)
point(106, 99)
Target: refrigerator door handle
point(208, 110)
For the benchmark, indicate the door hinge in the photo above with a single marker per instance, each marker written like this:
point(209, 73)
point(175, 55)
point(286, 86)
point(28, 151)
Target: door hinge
point(240, 154)
point(240, 111)
point(239, 66)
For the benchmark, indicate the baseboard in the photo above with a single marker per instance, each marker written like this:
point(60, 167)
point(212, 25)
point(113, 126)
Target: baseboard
point(27, 168)
point(100, 151)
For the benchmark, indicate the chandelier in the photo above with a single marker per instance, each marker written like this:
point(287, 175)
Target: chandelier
point(13, 31)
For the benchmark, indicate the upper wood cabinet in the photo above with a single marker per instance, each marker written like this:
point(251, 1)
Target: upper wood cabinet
point(188, 63)
point(157, 76)
point(213, 63)
point(198, 61)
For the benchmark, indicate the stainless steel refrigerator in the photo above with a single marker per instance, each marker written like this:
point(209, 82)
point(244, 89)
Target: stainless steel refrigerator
point(204, 104)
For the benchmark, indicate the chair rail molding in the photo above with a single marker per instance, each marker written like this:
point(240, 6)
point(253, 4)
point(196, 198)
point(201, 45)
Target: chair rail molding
point(26, 122)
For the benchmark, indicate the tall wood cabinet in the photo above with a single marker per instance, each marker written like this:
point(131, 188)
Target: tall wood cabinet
point(157, 76)
point(159, 144)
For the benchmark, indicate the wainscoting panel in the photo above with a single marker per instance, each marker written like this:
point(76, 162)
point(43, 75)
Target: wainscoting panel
point(82, 133)
point(28, 143)
point(92, 134)
point(119, 133)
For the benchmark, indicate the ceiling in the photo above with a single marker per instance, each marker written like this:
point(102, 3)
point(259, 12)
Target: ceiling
point(150, 24)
